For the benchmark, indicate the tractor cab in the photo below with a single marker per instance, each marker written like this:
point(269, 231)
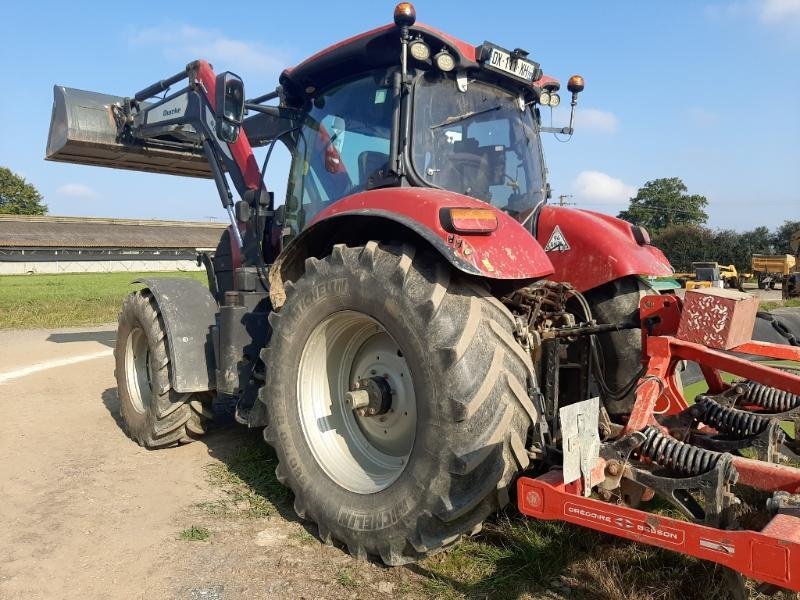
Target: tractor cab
point(418, 109)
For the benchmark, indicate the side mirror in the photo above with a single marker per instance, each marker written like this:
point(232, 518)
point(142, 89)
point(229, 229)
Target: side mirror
point(230, 106)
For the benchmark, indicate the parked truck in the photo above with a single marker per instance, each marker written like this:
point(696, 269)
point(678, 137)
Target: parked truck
point(769, 269)
point(791, 286)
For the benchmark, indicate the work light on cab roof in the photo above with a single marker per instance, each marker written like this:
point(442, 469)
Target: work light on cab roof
point(513, 63)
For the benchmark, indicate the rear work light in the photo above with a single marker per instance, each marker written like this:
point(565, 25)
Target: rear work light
point(469, 220)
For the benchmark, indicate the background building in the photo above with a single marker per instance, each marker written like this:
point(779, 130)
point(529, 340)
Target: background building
point(91, 245)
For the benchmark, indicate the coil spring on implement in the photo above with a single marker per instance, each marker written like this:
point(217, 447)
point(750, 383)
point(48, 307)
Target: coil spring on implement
point(681, 458)
point(735, 422)
point(768, 398)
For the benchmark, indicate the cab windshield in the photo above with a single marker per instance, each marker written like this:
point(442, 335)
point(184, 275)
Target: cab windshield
point(482, 143)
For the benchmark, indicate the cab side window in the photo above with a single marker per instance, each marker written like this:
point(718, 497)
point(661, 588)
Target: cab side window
point(343, 146)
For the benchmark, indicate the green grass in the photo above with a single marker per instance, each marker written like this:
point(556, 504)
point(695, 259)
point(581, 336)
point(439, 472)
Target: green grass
point(249, 484)
point(346, 579)
point(515, 557)
point(28, 301)
point(773, 304)
point(195, 534)
point(304, 538)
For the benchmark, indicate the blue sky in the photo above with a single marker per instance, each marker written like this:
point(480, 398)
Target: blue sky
point(705, 91)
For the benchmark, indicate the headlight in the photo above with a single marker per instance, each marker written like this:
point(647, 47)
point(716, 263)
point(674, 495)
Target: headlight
point(445, 61)
point(544, 98)
point(555, 100)
point(419, 50)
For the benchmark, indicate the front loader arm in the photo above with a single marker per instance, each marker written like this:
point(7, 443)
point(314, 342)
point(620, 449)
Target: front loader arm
point(189, 116)
point(184, 132)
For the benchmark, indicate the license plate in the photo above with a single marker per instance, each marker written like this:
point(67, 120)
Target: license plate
point(503, 61)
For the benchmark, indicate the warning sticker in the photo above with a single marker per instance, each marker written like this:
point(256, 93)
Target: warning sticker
point(557, 241)
point(638, 526)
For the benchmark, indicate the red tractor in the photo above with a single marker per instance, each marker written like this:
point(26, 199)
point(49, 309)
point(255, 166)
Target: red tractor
point(411, 323)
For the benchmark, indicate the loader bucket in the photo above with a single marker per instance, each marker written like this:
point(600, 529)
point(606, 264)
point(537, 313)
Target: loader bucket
point(83, 131)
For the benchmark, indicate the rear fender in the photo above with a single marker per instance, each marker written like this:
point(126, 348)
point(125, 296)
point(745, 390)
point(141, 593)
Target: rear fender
point(188, 311)
point(413, 215)
point(593, 248)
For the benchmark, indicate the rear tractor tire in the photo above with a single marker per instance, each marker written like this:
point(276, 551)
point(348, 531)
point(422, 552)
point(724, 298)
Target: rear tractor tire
point(618, 302)
point(156, 416)
point(398, 401)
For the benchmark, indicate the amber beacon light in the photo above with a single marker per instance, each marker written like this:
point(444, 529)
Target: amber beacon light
point(405, 15)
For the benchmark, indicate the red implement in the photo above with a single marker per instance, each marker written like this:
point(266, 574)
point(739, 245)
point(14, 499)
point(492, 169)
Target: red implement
point(771, 554)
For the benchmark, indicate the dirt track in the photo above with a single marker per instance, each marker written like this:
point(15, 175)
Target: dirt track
point(85, 513)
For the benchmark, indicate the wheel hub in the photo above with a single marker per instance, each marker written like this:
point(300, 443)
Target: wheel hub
point(370, 397)
point(137, 365)
point(356, 402)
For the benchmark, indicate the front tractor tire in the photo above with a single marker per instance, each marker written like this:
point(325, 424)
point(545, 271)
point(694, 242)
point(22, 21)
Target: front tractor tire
point(156, 416)
point(398, 401)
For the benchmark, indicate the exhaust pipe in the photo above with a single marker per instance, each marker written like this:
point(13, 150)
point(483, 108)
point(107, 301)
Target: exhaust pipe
point(83, 131)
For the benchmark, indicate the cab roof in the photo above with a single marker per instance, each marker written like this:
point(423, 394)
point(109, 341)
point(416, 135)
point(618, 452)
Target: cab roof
point(379, 47)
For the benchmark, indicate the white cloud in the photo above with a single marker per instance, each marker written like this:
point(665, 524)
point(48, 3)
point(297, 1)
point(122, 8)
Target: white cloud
point(599, 188)
point(778, 11)
point(594, 119)
point(186, 43)
point(77, 190)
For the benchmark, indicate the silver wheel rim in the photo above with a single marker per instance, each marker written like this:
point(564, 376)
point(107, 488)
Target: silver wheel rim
point(362, 454)
point(137, 370)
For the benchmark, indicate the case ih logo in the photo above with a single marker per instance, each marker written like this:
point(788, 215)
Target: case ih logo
point(171, 111)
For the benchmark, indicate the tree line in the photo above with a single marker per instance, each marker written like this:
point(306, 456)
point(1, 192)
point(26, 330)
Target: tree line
point(685, 244)
point(18, 197)
point(676, 223)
